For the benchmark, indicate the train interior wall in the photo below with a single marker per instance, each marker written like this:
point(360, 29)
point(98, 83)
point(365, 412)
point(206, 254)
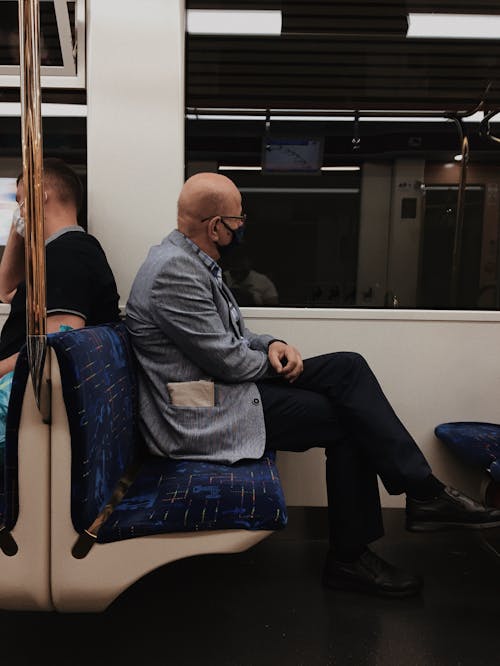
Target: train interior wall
point(434, 366)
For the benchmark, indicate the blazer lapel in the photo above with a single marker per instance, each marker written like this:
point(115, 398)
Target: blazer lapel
point(178, 239)
point(237, 326)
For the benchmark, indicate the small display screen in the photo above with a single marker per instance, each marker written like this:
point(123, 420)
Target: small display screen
point(7, 206)
point(285, 155)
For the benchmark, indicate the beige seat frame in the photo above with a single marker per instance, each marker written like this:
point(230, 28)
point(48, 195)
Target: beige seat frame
point(44, 575)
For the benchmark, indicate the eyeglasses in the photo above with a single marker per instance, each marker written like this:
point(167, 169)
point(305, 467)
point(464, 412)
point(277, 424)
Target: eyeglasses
point(241, 218)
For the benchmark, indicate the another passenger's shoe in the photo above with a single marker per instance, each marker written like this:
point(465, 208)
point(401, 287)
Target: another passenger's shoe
point(451, 509)
point(370, 574)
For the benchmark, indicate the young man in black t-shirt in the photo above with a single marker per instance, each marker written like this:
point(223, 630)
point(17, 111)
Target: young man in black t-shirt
point(81, 289)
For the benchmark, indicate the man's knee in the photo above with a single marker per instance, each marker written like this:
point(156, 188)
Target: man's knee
point(347, 365)
point(349, 360)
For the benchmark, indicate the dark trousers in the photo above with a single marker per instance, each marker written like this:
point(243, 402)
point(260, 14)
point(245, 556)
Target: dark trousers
point(337, 403)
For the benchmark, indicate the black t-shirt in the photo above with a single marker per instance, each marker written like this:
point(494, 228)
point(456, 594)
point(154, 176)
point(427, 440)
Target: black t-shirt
point(79, 282)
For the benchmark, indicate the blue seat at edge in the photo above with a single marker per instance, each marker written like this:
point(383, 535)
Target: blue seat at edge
point(475, 443)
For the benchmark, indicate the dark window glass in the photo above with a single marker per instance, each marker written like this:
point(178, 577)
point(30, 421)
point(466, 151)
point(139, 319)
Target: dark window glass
point(346, 80)
point(9, 35)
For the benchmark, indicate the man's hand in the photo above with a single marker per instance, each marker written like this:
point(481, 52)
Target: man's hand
point(286, 360)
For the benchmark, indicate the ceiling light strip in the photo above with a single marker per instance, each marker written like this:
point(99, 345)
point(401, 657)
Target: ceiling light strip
point(475, 118)
point(454, 26)
point(229, 167)
point(341, 168)
point(13, 110)
point(233, 22)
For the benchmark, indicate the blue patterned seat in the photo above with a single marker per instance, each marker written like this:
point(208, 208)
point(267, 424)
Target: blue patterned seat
point(475, 443)
point(99, 390)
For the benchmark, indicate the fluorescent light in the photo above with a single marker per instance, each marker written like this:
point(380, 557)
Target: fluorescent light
point(401, 119)
point(341, 168)
point(454, 26)
point(233, 22)
point(475, 118)
point(13, 110)
point(228, 167)
point(211, 116)
point(313, 118)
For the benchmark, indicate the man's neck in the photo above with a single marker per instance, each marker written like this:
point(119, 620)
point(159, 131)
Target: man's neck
point(55, 224)
point(207, 247)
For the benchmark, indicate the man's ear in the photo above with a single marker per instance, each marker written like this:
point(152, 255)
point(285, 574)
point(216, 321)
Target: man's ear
point(212, 227)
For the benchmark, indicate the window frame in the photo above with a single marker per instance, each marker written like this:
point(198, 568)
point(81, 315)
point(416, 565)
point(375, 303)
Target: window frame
point(72, 73)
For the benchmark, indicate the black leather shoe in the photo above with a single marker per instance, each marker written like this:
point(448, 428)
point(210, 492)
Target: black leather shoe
point(372, 575)
point(451, 509)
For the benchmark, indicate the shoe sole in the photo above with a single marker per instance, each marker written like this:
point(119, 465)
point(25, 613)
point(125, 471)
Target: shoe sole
point(360, 589)
point(442, 526)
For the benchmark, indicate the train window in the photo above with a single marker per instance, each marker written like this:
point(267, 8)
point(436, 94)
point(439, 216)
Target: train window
point(382, 136)
point(62, 46)
point(62, 43)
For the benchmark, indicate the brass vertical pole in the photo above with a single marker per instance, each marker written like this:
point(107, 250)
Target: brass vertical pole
point(31, 124)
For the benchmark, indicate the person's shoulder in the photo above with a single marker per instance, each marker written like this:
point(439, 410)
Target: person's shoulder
point(84, 239)
point(76, 248)
point(179, 260)
point(174, 251)
point(163, 259)
point(73, 238)
point(254, 277)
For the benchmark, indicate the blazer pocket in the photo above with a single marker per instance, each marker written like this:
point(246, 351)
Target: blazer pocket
point(192, 394)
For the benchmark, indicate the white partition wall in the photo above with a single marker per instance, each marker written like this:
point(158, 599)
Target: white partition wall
point(433, 366)
point(135, 134)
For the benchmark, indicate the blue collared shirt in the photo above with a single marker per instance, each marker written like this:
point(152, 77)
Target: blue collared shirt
point(216, 271)
point(210, 263)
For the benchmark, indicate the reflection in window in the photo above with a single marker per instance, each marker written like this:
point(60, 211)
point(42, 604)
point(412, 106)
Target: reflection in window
point(9, 35)
point(438, 235)
point(303, 239)
point(390, 234)
point(382, 236)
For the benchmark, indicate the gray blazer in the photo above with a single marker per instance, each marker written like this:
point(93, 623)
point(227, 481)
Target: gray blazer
point(182, 331)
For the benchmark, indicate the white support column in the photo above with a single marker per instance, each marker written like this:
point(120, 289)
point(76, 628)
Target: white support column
point(374, 230)
point(135, 134)
point(406, 232)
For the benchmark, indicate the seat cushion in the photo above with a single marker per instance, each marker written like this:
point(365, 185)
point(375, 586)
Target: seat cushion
point(191, 496)
point(475, 443)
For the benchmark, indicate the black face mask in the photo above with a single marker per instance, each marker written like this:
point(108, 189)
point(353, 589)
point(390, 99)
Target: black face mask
point(236, 240)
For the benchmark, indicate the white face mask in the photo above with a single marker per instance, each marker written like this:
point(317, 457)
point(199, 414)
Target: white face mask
point(18, 220)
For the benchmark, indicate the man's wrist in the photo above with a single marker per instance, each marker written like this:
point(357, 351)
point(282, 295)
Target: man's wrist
point(275, 340)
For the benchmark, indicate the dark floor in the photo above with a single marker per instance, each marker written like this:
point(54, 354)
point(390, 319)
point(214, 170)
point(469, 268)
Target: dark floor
point(267, 607)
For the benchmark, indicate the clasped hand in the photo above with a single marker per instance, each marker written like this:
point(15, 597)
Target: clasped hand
point(286, 360)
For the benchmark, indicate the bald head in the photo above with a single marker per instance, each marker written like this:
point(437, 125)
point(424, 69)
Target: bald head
point(205, 195)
